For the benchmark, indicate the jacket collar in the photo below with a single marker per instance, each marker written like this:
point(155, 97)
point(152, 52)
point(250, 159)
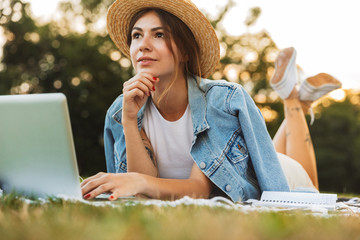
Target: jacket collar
point(197, 104)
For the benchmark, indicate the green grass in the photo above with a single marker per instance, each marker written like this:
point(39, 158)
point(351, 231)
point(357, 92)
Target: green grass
point(59, 219)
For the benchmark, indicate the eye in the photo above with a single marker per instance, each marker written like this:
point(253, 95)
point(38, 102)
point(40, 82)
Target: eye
point(159, 35)
point(136, 35)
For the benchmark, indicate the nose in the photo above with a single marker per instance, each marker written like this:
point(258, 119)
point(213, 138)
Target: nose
point(145, 44)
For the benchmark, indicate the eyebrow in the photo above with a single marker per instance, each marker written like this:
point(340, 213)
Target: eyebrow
point(153, 29)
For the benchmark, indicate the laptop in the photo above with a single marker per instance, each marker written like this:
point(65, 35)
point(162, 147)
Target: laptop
point(37, 154)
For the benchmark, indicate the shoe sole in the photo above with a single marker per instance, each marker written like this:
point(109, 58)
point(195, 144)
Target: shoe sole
point(280, 71)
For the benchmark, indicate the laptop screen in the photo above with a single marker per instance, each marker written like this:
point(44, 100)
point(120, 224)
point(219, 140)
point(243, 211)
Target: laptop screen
point(37, 155)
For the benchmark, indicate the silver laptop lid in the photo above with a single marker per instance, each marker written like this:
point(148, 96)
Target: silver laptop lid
point(37, 154)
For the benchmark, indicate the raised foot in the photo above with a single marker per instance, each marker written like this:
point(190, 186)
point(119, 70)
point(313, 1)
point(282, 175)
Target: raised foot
point(285, 76)
point(317, 86)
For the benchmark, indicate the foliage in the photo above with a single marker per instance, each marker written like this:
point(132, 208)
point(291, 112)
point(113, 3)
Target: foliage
point(249, 60)
point(336, 138)
point(86, 66)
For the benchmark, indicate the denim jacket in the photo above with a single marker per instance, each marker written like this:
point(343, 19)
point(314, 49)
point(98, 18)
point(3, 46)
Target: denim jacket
point(231, 144)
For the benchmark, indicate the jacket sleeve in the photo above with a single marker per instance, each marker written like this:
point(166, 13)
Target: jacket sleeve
point(258, 141)
point(109, 145)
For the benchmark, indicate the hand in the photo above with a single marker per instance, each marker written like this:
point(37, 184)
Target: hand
point(135, 93)
point(119, 184)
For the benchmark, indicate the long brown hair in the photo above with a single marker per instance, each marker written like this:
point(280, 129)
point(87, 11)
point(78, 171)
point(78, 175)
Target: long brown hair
point(184, 39)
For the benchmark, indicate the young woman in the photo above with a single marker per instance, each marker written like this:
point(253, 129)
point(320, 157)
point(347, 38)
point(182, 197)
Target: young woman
point(174, 133)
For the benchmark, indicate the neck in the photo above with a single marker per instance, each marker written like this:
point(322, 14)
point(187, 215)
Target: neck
point(173, 104)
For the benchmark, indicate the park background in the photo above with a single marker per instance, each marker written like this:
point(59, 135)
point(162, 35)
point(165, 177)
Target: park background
point(72, 53)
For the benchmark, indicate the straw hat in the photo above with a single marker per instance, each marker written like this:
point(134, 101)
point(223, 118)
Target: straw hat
point(122, 11)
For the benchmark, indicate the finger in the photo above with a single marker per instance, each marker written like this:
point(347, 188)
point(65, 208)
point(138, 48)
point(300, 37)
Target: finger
point(99, 190)
point(141, 76)
point(122, 191)
point(133, 94)
point(85, 181)
point(118, 193)
point(114, 196)
point(146, 78)
point(154, 80)
point(150, 77)
point(139, 85)
point(93, 184)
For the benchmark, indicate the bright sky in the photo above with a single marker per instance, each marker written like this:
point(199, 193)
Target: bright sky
point(325, 33)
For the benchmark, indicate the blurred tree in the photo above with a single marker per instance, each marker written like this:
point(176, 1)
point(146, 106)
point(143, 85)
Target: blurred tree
point(336, 138)
point(87, 68)
point(74, 55)
point(249, 60)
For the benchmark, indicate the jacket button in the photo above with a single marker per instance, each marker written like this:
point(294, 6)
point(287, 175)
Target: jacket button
point(202, 165)
point(242, 150)
point(228, 188)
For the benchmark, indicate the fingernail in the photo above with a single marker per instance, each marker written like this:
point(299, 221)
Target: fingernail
point(87, 196)
point(111, 197)
point(153, 88)
point(154, 78)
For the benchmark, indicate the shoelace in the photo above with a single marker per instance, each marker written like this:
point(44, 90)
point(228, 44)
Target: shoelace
point(312, 116)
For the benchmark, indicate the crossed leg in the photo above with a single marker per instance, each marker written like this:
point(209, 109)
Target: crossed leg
point(293, 137)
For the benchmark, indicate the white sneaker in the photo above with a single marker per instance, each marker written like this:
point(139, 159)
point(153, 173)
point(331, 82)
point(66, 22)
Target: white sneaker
point(317, 86)
point(285, 70)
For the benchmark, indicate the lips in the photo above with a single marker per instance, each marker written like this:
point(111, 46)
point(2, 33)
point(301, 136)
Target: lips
point(145, 59)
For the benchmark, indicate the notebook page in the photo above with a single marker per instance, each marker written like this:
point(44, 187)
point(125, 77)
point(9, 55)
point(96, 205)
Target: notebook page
point(297, 200)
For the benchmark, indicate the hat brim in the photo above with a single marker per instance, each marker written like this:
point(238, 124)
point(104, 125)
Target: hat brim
point(122, 11)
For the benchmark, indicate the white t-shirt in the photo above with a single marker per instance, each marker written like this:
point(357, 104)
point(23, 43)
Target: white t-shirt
point(171, 142)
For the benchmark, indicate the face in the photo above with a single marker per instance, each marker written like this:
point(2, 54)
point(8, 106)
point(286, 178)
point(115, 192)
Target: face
point(148, 50)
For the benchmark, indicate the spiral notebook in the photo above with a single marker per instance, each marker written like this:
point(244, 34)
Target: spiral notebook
point(297, 200)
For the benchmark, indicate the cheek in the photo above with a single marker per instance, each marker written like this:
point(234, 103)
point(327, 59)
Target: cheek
point(133, 57)
point(165, 52)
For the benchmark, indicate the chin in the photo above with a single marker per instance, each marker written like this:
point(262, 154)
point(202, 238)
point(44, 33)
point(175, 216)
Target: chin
point(149, 71)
